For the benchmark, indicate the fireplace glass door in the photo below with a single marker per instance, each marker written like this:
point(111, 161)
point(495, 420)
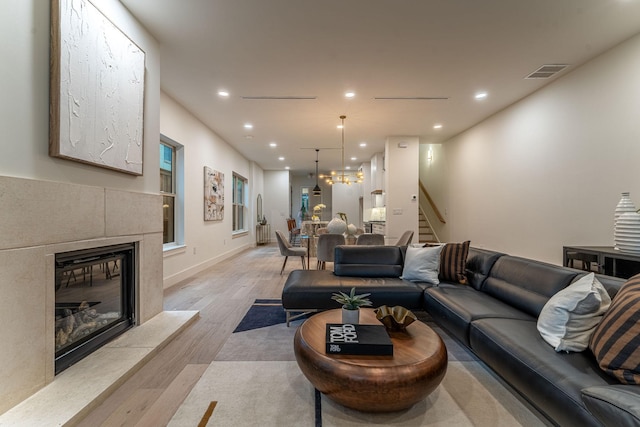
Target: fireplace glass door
point(94, 300)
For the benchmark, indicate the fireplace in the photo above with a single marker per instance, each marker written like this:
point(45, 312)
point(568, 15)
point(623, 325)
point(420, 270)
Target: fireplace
point(94, 300)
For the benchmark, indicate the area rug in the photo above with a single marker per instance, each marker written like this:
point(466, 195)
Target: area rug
point(277, 394)
point(255, 381)
point(262, 313)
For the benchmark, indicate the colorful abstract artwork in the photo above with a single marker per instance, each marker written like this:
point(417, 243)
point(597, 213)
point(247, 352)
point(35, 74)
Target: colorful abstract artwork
point(213, 195)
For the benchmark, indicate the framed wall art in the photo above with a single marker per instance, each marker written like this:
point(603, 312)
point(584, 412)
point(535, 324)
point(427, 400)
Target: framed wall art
point(213, 195)
point(97, 89)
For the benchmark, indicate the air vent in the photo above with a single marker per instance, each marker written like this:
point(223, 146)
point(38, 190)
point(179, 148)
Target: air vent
point(278, 97)
point(547, 71)
point(412, 98)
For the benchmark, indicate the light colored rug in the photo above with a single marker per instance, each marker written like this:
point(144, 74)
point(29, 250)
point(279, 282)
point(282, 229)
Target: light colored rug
point(274, 393)
point(255, 381)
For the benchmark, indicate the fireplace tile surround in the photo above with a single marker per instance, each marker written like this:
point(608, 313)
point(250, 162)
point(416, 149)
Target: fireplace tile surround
point(40, 219)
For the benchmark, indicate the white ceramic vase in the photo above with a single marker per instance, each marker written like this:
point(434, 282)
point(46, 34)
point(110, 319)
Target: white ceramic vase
point(625, 205)
point(627, 233)
point(337, 226)
point(351, 317)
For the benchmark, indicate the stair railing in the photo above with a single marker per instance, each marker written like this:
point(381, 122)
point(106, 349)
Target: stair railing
point(435, 236)
point(431, 203)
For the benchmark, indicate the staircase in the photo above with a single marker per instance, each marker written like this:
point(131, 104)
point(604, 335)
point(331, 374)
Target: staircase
point(425, 233)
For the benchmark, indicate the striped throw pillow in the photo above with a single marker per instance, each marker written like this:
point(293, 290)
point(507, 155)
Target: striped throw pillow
point(453, 261)
point(616, 340)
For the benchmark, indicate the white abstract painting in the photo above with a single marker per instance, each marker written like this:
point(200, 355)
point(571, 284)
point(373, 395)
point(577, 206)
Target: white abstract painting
point(97, 88)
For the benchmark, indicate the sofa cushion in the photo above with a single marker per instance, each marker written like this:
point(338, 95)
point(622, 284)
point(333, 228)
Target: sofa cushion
point(616, 341)
point(453, 261)
point(614, 405)
point(455, 306)
point(479, 264)
point(368, 261)
point(569, 318)
point(551, 381)
point(422, 264)
point(526, 284)
point(312, 290)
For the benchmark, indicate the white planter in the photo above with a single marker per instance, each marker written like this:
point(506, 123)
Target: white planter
point(351, 317)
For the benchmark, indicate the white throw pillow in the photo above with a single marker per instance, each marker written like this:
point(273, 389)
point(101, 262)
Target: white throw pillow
point(422, 264)
point(569, 318)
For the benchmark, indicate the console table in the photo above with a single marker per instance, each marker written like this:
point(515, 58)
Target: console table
point(611, 262)
point(263, 234)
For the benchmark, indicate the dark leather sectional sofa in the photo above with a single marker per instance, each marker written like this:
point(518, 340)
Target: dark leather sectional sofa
point(495, 316)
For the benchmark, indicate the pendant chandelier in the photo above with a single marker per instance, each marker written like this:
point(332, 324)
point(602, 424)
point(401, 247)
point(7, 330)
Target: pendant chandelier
point(316, 190)
point(343, 176)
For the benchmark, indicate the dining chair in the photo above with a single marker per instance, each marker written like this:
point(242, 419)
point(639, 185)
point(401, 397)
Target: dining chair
point(370, 239)
point(405, 239)
point(294, 231)
point(326, 248)
point(287, 250)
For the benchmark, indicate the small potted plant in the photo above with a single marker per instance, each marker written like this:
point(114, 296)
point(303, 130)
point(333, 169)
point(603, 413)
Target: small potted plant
point(351, 305)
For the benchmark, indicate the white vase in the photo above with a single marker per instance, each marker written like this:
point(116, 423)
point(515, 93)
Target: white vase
point(351, 317)
point(625, 205)
point(627, 233)
point(336, 226)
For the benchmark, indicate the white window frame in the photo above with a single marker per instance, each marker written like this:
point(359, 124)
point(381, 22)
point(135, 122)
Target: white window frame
point(178, 194)
point(240, 209)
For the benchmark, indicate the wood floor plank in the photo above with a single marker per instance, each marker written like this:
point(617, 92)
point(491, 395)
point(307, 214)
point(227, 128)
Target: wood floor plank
point(131, 410)
point(169, 401)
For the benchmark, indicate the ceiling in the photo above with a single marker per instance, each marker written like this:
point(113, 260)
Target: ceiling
point(320, 49)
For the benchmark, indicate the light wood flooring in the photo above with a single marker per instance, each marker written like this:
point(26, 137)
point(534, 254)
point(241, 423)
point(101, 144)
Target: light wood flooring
point(222, 294)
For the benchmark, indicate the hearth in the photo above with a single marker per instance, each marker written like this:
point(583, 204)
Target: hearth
point(94, 300)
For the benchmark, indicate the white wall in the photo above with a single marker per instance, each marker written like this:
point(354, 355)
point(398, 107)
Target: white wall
point(549, 170)
point(401, 183)
point(276, 201)
point(206, 242)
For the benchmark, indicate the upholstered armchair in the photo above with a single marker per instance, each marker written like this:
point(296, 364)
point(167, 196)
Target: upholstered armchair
point(370, 239)
point(405, 239)
point(326, 248)
point(287, 250)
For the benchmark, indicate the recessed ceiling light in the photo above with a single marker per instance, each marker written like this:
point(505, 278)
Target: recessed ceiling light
point(437, 126)
point(248, 126)
point(481, 95)
point(347, 167)
point(363, 144)
point(273, 144)
point(281, 158)
point(287, 167)
point(353, 159)
point(349, 94)
point(223, 93)
point(339, 126)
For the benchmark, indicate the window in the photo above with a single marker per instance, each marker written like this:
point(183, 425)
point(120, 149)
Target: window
point(239, 203)
point(171, 188)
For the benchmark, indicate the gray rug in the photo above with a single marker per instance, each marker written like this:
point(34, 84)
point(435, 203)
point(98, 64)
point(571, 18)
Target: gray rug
point(255, 381)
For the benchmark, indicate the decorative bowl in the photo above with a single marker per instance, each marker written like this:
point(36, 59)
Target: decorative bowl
point(395, 318)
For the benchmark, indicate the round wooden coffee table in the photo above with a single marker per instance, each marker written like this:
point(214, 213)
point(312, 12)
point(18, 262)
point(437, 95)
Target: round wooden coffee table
point(372, 383)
